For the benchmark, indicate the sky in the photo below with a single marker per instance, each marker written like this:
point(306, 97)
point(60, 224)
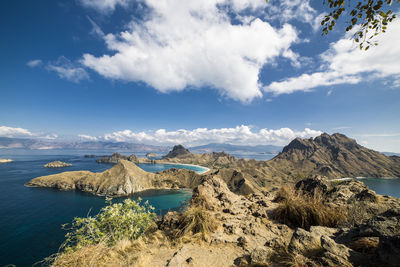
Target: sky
point(193, 72)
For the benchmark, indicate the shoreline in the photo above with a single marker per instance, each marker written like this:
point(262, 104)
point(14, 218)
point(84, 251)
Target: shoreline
point(184, 164)
point(363, 178)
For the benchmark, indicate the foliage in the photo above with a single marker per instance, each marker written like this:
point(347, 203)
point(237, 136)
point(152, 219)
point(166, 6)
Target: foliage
point(114, 222)
point(368, 18)
point(298, 209)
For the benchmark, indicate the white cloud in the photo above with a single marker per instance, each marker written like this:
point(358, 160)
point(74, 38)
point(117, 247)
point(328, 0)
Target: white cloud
point(241, 135)
point(344, 63)
point(65, 69)
point(49, 136)
point(6, 131)
point(87, 137)
point(104, 6)
point(34, 63)
point(287, 10)
point(192, 43)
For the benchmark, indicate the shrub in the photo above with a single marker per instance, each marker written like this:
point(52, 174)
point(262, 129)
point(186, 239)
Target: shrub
point(114, 222)
point(298, 209)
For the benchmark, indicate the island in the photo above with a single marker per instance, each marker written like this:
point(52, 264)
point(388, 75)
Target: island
point(57, 164)
point(5, 160)
point(151, 155)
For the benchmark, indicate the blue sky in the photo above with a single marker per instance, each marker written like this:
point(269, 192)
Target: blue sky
point(164, 72)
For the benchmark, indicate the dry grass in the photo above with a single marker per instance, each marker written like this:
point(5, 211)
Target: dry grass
point(366, 245)
point(297, 209)
point(123, 253)
point(195, 220)
point(283, 257)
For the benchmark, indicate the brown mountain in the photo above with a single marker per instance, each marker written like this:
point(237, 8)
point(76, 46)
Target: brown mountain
point(334, 156)
point(123, 179)
point(177, 152)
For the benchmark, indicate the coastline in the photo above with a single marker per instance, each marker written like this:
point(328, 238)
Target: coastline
point(363, 178)
point(183, 164)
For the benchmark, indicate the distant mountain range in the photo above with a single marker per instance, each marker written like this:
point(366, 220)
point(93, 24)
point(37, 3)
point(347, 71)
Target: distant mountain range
point(23, 143)
point(89, 145)
point(218, 147)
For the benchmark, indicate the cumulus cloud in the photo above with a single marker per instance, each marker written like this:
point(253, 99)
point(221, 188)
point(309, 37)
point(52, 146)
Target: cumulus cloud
point(65, 69)
point(344, 63)
point(87, 137)
point(186, 44)
point(34, 63)
point(6, 131)
point(104, 6)
point(240, 135)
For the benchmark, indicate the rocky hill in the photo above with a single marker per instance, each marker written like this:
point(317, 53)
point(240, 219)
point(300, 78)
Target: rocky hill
point(334, 156)
point(123, 179)
point(177, 151)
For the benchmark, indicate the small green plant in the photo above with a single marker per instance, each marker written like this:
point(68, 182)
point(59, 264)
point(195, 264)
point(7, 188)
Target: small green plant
point(126, 220)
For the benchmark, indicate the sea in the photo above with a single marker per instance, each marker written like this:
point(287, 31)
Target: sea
point(31, 218)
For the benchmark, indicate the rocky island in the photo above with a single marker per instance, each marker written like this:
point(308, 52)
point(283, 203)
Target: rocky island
point(151, 155)
point(123, 179)
point(5, 160)
point(57, 164)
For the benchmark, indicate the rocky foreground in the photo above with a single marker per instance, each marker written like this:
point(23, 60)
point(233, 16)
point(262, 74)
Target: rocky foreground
point(352, 226)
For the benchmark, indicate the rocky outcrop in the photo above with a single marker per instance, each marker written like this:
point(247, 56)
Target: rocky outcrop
point(57, 164)
point(5, 160)
point(177, 151)
point(334, 156)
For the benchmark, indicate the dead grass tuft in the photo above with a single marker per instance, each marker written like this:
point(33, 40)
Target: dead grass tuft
point(283, 257)
point(366, 245)
point(195, 220)
point(298, 209)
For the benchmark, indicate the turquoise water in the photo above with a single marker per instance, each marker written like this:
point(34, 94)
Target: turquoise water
point(31, 218)
point(390, 187)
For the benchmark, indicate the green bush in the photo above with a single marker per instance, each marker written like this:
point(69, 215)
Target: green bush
point(114, 222)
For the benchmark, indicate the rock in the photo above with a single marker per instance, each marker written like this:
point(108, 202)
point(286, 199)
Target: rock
point(334, 254)
point(90, 156)
point(5, 160)
point(304, 241)
point(57, 164)
point(314, 184)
